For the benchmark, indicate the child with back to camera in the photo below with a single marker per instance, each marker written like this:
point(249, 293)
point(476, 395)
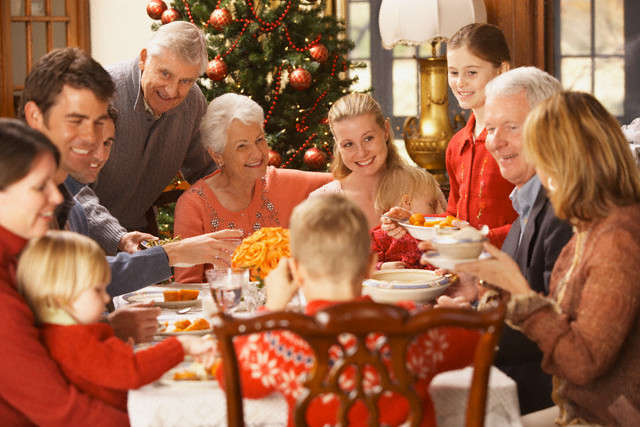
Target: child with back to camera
point(63, 276)
point(330, 257)
point(415, 190)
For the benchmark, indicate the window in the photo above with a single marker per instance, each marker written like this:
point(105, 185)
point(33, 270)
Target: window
point(31, 28)
point(597, 50)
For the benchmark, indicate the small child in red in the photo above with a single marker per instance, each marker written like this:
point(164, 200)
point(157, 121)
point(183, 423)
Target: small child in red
point(330, 257)
point(415, 190)
point(64, 276)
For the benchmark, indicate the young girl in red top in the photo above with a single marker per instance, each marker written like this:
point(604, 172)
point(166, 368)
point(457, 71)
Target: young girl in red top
point(415, 190)
point(331, 257)
point(479, 194)
point(63, 276)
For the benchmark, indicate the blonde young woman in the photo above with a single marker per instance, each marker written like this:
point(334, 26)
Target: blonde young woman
point(363, 150)
point(588, 328)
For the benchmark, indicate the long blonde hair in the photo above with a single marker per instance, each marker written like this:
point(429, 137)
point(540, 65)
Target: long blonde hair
point(352, 105)
point(579, 146)
point(56, 268)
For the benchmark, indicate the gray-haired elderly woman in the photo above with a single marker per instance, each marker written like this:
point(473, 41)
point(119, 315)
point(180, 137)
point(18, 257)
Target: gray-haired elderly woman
point(243, 193)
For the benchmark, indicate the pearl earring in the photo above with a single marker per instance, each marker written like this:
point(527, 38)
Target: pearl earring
point(551, 184)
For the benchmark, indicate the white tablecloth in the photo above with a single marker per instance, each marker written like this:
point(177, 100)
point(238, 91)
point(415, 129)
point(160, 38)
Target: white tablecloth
point(173, 403)
point(189, 403)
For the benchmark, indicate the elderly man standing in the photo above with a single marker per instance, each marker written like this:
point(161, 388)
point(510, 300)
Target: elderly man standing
point(537, 236)
point(160, 108)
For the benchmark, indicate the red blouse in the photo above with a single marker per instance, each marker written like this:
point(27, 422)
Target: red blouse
point(479, 194)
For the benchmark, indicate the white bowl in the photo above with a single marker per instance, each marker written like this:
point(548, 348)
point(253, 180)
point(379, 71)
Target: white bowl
point(458, 249)
point(391, 286)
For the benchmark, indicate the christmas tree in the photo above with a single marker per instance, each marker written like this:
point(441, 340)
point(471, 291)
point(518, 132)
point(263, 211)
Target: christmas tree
point(287, 55)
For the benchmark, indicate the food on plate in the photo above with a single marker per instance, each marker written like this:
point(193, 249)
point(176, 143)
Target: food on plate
point(418, 219)
point(196, 371)
point(151, 243)
point(180, 325)
point(185, 374)
point(199, 324)
point(180, 295)
point(261, 252)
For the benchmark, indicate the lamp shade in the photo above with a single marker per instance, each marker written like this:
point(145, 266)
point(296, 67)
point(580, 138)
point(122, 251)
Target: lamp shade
point(414, 22)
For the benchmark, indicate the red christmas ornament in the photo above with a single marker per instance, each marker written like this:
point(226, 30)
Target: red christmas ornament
point(155, 8)
point(315, 159)
point(300, 79)
point(319, 52)
point(217, 69)
point(275, 159)
point(169, 15)
point(220, 18)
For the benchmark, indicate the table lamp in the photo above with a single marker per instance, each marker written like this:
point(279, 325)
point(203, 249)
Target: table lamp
point(416, 22)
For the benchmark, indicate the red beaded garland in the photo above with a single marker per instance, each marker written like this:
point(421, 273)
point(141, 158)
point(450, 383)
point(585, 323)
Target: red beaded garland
point(217, 69)
point(155, 8)
point(220, 18)
point(300, 79)
point(169, 15)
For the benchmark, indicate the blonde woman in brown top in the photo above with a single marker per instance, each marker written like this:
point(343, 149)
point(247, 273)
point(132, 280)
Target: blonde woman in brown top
point(588, 327)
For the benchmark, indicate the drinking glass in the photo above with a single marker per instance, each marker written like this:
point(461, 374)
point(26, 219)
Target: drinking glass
point(226, 287)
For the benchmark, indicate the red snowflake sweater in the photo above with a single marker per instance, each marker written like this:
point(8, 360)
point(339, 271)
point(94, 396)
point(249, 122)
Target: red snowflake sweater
point(389, 249)
point(279, 361)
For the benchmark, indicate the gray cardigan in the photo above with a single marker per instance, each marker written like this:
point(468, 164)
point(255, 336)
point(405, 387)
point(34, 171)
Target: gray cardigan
point(148, 153)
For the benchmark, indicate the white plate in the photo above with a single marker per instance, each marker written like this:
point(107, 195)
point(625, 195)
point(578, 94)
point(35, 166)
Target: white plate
point(158, 299)
point(170, 332)
point(167, 377)
point(440, 261)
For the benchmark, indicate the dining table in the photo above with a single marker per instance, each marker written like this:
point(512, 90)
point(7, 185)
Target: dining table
point(168, 402)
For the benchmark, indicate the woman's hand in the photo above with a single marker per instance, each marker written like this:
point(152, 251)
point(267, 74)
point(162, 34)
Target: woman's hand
point(280, 286)
point(390, 226)
point(500, 271)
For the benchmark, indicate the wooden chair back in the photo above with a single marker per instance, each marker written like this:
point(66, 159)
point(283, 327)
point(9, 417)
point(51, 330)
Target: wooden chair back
point(362, 318)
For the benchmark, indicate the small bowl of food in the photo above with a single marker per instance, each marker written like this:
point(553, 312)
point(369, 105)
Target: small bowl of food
point(464, 244)
point(426, 228)
point(391, 286)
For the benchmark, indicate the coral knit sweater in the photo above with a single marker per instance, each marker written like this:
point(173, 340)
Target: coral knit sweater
point(32, 389)
point(479, 194)
point(198, 211)
point(102, 365)
point(277, 361)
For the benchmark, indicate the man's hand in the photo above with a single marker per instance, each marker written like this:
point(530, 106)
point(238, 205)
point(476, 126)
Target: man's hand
point(137, 321)
point(211, 248)
point(130, 242)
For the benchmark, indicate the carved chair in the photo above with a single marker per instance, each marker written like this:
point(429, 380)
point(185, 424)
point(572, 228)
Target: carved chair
point(360, 319)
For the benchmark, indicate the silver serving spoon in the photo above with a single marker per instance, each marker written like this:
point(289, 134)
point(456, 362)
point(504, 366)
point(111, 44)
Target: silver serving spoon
point(184, 310)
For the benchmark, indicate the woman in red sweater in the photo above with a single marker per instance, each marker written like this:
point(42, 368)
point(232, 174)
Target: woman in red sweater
point(33, 390)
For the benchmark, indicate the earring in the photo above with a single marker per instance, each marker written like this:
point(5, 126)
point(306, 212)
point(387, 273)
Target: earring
point(551, 184)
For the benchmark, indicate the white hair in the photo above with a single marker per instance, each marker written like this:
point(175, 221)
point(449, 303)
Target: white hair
point(183, 39)
point(537, 84)
point(221, 112)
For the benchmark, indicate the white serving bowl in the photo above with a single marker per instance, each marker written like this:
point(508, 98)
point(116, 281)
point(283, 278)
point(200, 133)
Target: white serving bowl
point(458, 249)
point(391, 286)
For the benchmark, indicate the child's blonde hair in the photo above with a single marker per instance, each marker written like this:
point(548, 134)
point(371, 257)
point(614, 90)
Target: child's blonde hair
point(330, 238)
point(408, 180)
point(56, 268)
